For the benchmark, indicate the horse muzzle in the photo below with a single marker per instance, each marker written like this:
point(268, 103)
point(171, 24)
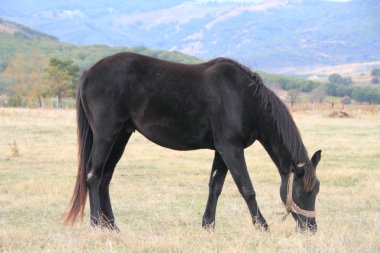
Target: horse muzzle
point(305, 223)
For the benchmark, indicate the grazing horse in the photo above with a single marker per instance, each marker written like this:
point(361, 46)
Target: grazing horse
point(219, 105)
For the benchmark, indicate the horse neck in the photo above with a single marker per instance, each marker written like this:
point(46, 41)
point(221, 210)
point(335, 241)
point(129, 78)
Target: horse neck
point(279, 135)
point(278, 153)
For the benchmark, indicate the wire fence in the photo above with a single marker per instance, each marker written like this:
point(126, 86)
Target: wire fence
point(69, 102)
point(42, 102)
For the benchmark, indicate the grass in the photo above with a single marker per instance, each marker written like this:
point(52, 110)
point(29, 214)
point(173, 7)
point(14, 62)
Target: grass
point(159, 195)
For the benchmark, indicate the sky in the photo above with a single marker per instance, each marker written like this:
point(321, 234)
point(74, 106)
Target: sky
point(251, 1)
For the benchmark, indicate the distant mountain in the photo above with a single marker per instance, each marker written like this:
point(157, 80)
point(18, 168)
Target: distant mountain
point(274, 35)
point(10, 27)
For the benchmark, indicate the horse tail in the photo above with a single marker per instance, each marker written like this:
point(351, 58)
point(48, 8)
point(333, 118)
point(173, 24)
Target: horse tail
point(84, 132)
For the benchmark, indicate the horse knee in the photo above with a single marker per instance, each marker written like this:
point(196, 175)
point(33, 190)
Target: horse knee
point(248, 194)
point(217, 193)
point(92, 178)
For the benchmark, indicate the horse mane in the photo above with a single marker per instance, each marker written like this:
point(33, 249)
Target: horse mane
point(257, 82)
point(289, 134)
point(283, 122)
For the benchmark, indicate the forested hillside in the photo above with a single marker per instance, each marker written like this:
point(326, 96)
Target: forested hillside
point(26, 40)
point(21, 43)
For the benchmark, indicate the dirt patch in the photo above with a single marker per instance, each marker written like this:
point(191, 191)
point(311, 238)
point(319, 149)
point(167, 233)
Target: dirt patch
point(339, 114)
point(6, 29)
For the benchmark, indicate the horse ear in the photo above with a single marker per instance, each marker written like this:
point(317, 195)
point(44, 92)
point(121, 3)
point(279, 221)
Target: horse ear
point(316, 158)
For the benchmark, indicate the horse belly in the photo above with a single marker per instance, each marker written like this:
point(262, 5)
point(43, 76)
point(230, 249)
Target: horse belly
point(174, 126)
point(174, 134)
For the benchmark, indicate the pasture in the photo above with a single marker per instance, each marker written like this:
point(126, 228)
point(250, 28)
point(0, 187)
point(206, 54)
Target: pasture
point(159, 195)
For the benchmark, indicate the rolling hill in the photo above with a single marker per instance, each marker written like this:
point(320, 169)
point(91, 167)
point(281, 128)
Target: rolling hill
point(16, 38)
point(275, 35)
point(19, 39)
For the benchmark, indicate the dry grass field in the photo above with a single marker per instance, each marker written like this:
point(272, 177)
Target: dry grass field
point(159, 195)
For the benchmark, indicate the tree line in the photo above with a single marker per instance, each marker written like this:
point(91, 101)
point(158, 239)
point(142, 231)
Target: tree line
point(342, 87)
point(33, 77)
point(337, 86)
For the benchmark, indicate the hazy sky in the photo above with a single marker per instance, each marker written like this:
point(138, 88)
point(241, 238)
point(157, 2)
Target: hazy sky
point(251, 1)
point(229, 1)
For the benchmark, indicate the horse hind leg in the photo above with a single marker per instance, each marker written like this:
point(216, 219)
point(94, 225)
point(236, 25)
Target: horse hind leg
point(108, 218)
point(217, 177)
point(103, 141)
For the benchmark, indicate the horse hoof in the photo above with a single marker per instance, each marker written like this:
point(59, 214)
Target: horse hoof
point(209, 226)
point(110, 226)
point(260, 225)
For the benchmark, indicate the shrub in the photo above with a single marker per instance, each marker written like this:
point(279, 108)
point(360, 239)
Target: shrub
point(346, 100)
point(15, 101)
point(366, 94)
point(375, 72)
point(339, 80)
point(338, 90)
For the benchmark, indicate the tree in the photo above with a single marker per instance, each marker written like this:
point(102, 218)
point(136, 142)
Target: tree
point(292, 96)
point(287, 83)
point(366, 94)
point(339, 80)
point(345, 100)
point(338, 90)
point(67, 65)
point(309, 85)
point(25, 75)
point(375, 72)
point(61, 78)
point(318, 94)
point(375, 80)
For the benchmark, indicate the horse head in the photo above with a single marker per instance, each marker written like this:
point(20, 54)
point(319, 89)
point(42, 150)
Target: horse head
point(300, 191)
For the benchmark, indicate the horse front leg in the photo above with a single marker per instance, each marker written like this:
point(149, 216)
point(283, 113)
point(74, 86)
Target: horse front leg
point(235, 161)
point(217, 177)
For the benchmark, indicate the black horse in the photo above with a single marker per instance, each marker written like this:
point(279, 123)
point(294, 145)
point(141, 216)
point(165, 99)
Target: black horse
point(218, 105)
